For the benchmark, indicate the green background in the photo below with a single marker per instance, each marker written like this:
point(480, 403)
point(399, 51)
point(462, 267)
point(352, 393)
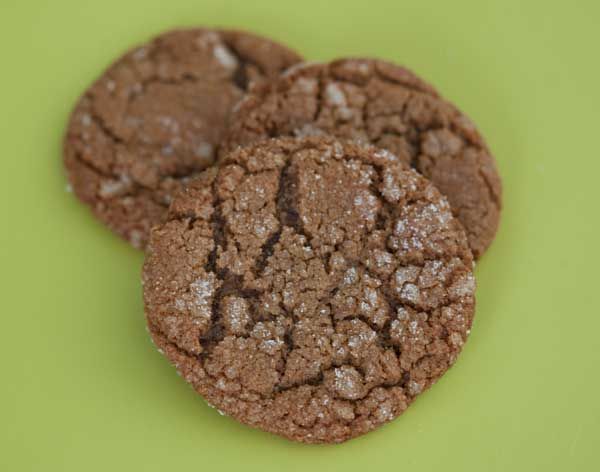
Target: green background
point(82, 388)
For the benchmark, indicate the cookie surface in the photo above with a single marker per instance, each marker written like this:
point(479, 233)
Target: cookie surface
point(389, 106)
point(156, 117)
point(310, 288)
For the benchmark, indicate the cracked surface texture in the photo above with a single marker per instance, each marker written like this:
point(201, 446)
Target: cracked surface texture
point(387, 105)
point(156, 117)
point(310, 288)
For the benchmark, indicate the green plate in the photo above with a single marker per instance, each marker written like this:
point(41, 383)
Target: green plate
point(83, 389)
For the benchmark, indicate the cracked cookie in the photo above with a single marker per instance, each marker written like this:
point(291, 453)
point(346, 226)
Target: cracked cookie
point(156, 117)
point(388, 106)
point(310, 288)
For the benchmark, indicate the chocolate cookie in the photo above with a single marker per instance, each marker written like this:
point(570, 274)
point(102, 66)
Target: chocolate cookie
point(389, 106)
point(310, 288)
point(156, 117)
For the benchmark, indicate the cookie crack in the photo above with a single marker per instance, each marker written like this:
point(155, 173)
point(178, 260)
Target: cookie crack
point(220, 240)
point(240, 75)
point(267, 251)
point(217, 332)
point(99, 121)
point(286, 200)
point(314, 381)
point(319, 104)
point(90, 166)
point(155, 79)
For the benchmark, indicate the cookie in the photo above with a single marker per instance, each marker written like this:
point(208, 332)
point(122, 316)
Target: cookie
point(310, 288)
point(389, 106)
point(156, 117)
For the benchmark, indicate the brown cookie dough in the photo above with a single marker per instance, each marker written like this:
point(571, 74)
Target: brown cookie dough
point(156, 117)
point(386, 105)
point(310, 288)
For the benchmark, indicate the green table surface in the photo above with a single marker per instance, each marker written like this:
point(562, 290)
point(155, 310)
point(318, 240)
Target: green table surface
point(83, 389)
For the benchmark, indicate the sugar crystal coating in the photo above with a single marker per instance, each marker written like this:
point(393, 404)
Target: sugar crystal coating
point(327, 321)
